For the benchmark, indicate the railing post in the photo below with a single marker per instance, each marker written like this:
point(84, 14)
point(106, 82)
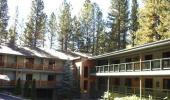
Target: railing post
point(140, 62)
point(125, 67)
point(133, 66)
point(161, 64)
point(150, 65)
point(103, 69)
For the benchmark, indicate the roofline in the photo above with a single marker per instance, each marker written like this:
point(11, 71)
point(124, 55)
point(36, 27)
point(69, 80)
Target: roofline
point(141, 47)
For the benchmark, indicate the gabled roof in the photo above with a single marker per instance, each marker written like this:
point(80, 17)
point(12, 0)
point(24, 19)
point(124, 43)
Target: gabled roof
point(36, 52)
point(137, 48)
point(9, 50)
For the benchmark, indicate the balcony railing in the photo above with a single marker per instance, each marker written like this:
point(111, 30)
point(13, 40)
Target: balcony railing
point(31, 66)
point(156, 94)
point(147, 65)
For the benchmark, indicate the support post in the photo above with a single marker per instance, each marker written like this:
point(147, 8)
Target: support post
point(140, 87)
point(108, 86)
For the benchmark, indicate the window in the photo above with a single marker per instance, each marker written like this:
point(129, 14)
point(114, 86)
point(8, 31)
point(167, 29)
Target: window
point(85, 71)
point(102, 62)
point(148, 57)
point(148, 83)
point(51, 77)
point(166, 55)
point(115, 61)
point(117, 81)
point(51, 62)
point(166, 83)
point(128, 60)
point(85, 84)
point(29, 62)
point(28, 77)
point(128, 82)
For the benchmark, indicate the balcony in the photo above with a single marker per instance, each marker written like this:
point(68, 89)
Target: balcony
point(30, 66)
point(139, 66)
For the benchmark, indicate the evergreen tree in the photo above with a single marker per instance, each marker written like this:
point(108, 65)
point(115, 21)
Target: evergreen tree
point(99, 30)
point(52, 29)
point(65, 90)
point(18, 89)
point(13, 34)
point(134, 25)
point(33, 90)
point(27, 89)
point(35, 28)
point(154, 21)
point(3, 20)
point(119, 16)
point(86, 17)
point(75, 36)
point(65, 22)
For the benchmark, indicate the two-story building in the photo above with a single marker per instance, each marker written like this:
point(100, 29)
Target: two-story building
point(142, 70)
point(43, 65)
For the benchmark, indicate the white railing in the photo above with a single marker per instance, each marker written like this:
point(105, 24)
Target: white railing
point(147, 65)
point(158, 94)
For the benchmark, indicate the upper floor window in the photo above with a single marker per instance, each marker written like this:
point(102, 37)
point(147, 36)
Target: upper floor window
point(166, 55)
point(102, 62)
point(115, 61)
point(128, 60)
point(51, 62)
point(30, 60)
point(148, 57)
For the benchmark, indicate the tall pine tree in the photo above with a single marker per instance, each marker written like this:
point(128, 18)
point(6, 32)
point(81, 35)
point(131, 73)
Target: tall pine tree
point(52, 29)
point(3, 20)
point(34, 32)
point(65, 22)
point(134, 24)
point(119, 14)
point(154, 21)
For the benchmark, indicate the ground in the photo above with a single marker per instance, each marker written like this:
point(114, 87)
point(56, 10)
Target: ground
point(8, 97)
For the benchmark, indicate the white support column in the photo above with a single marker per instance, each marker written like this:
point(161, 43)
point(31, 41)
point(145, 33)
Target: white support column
point(140, 57)
point(140, 79)
point(108, 86)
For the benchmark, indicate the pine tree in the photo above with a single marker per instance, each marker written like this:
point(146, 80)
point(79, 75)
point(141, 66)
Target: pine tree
point(13, 34)
point(27, 89)
point(134, 25)
point(33, 90)
point(18, 89)
point(52, 29)
point(154, 21)
point(3, 20)
point(35, 28)
point(119, 15)
point(65, 90)
point(86, 17)
point(65, 22)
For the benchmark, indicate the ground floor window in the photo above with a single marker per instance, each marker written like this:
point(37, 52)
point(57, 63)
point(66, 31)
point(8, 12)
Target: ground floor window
point(148, 83)
point(85, 85)
point(29, 77)
point(166, 83)
point(128, 82)
point(117, 81)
